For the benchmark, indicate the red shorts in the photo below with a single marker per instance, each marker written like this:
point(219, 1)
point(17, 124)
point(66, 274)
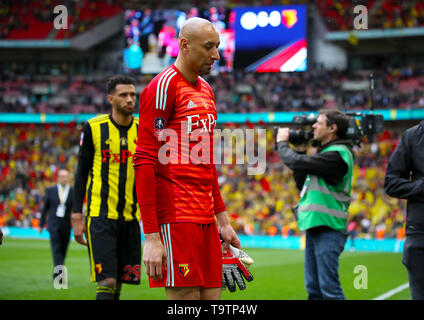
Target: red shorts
point(194, 256)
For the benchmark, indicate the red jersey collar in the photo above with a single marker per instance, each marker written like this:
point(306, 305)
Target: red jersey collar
point(197, 85)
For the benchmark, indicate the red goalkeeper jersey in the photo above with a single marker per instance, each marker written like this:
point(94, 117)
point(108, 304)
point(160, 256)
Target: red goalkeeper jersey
point(176, 179)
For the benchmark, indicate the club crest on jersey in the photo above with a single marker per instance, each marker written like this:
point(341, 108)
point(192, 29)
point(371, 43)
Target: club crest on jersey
point(183, 269)
point(159, 126)
point(205, 104)
point(99, 268)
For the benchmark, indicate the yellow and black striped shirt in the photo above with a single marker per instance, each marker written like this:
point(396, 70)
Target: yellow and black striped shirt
point(105, 160)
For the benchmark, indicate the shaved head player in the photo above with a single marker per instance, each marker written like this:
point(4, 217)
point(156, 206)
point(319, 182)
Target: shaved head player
point(180, 202)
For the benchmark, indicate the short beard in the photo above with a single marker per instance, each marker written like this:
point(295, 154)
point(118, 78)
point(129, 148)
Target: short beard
point(122, 111)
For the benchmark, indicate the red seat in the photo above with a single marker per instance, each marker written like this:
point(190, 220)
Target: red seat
point(29, 26)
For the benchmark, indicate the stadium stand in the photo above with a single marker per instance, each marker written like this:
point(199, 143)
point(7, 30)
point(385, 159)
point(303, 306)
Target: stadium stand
point(32, 19)
point(31, 154)
point(396, 88)
point(385, 14)
point(30, 157)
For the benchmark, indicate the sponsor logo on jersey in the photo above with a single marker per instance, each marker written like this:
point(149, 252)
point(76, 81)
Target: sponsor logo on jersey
point(191, 105)
point(117, 157)
point(196, 121)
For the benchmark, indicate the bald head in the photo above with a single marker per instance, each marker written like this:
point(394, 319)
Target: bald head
point(193, 28)
point(198, 44)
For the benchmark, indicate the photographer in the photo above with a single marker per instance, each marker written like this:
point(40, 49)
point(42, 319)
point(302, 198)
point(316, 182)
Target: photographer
point(325, 181)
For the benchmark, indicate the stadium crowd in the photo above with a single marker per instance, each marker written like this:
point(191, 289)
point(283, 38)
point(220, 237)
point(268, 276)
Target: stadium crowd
point(262, 204)
point(32, 19)
point(385, 14)
point(29, 19)
point(239, 92)
point(31, 156)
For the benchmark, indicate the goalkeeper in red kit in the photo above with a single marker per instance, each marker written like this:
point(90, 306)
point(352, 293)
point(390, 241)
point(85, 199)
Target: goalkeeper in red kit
point(181, 207)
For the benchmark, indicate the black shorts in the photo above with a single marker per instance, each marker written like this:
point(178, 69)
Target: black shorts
point(114, 248)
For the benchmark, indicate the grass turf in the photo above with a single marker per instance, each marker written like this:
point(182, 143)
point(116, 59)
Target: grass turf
point(26, 274)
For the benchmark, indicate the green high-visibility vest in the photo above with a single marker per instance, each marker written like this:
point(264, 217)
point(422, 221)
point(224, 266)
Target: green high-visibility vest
point(322, 204)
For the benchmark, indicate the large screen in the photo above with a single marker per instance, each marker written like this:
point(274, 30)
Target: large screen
point(270, 39)
point(253, 39)
point(152, 38)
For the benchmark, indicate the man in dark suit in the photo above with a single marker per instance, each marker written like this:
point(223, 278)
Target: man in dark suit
point(58, 205)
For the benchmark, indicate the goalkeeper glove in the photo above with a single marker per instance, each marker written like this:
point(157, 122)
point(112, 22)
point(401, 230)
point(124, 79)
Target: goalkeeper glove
point(234, 268)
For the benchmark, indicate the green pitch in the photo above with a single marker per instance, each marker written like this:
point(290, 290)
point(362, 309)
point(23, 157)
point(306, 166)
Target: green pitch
point(26, 273)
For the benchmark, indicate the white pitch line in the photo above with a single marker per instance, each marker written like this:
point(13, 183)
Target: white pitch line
point(390, 293)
